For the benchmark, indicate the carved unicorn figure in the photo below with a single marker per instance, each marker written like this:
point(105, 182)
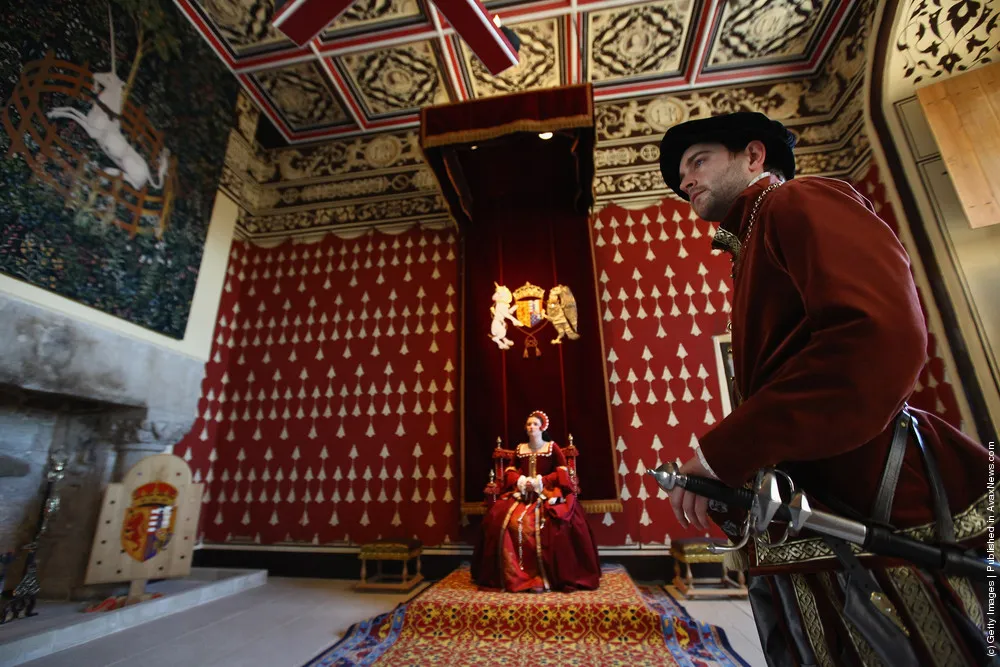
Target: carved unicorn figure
point(500, 310)
point(106, 129)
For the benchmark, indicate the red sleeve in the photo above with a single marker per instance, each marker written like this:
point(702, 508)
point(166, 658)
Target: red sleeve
point(867, 345)
point(559, 476)
point(510, 477)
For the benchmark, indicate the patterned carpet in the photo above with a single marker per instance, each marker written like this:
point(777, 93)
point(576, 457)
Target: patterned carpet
point(454, 623)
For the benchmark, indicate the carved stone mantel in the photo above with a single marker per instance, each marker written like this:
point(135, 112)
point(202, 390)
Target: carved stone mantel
point(104, 399)
point(45, 351)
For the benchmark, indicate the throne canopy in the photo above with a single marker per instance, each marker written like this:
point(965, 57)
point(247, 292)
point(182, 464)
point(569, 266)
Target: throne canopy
point(517, 172)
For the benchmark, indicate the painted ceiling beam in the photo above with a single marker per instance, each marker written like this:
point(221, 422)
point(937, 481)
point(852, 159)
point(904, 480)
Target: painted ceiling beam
point(303, 20)
point(483, 34)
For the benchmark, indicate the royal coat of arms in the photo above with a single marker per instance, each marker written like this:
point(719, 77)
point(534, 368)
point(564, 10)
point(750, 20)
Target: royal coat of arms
point(149, 521)
point(529, 310)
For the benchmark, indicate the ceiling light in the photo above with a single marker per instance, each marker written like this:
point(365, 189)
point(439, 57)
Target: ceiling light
point(544, 135)
point(474, 147)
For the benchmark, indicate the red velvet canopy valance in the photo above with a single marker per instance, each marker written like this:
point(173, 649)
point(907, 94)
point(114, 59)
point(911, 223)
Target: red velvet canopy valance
point(449, 131)
point(522, 203)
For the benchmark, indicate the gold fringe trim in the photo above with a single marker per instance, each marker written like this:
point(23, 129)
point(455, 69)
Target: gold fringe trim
point(547, 125)
point(473, 508)
point(601, 506)
point(589, 506)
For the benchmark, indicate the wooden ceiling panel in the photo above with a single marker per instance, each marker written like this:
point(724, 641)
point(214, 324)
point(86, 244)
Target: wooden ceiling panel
point(540, 63)
point(755, 32)
point(638, 41)
point(382, 60)
point(302, 96)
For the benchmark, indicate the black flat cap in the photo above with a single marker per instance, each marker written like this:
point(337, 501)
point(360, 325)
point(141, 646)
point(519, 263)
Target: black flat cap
point(739, 128)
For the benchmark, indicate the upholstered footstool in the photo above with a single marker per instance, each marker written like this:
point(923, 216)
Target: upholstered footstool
point(695, 550)
point(391, 550)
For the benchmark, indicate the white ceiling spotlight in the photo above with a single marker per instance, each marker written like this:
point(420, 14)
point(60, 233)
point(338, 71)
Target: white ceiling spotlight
point(545, 135)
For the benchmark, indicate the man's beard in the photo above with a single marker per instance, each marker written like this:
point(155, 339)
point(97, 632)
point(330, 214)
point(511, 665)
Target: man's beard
point(714, 204)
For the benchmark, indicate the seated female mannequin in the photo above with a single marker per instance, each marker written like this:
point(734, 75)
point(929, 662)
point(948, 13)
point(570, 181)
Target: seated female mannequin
point(536, 537)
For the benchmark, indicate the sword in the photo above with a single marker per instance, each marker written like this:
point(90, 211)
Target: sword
point(764, 505)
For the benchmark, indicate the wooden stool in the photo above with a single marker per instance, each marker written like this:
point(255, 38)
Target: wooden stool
point(695, 550)
point(383, 550)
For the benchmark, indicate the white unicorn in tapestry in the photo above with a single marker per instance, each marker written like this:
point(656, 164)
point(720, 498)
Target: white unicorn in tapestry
point(103, 125)
point(501, 312)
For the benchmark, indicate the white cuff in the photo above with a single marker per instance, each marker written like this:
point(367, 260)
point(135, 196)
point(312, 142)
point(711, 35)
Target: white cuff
point(701, 457)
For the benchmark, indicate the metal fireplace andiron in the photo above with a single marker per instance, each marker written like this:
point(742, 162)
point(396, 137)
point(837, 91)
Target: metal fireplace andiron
point(22, 604)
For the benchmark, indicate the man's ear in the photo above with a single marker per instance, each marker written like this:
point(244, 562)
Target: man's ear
point(757, 153)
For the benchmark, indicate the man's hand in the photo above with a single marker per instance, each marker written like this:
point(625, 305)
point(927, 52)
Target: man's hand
point(691, 509)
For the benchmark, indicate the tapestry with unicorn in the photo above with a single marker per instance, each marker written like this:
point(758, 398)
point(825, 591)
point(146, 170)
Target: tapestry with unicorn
point(115, 121)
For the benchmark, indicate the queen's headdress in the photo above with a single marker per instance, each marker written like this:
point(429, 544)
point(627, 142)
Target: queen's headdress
point(542, 416)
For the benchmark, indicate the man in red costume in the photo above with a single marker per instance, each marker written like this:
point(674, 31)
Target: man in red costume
point(828, 340)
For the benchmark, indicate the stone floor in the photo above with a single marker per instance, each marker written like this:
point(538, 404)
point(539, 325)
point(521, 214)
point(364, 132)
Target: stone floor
point(288, 621)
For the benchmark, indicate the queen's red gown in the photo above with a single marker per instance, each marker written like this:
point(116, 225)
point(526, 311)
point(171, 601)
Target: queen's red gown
point(537, 542)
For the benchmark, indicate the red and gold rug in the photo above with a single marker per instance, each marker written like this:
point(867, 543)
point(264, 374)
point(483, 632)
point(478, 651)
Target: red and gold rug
point(455, 623)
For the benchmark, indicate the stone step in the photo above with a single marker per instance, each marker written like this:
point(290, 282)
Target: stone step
point(60, 625)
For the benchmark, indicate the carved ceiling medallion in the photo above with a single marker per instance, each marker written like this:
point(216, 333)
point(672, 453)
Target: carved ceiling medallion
point(758, 30)
point(383, 151)
point(664, 112)
point(244, 25)
point(302, 96)
point(396, 79)
point(638, 41)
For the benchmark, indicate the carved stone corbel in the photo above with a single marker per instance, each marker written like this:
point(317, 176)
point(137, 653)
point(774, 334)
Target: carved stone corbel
point(136, 437)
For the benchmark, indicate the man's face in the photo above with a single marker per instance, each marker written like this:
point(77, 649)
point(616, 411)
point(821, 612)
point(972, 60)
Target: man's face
point(713, 178)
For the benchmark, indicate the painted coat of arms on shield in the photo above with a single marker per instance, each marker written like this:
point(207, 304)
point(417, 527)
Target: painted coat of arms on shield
point(528, 300)
point(149, 521)
point(527, 308)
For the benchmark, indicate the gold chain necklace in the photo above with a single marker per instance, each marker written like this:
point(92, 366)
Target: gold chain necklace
point(745, 241)
point(738, 253)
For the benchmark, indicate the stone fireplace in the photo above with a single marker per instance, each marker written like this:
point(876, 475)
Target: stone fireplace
point(95, 397)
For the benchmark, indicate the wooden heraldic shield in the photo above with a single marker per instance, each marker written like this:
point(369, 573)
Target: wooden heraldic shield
point(148, 523)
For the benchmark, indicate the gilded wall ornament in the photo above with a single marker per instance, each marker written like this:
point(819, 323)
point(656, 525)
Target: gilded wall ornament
point(383, 151)
point(665, 111)
point(418, 208)
point(528, 310)
point(346, 156)
point(247, 116)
